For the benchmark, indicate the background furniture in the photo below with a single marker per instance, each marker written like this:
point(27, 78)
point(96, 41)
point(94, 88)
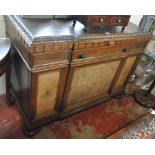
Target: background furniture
point(147, 23)
point(5, 66)
point(143, 96)
point(88, 21)
point(98, 20)
point(59, 70)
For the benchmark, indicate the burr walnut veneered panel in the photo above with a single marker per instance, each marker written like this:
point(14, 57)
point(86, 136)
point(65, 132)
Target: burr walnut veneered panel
point(125, 71)
point(91, 81)
point(47, 86)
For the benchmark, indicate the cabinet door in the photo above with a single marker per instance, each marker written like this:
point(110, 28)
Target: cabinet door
point(47, 92)
point(124, 73)
point(88, 83)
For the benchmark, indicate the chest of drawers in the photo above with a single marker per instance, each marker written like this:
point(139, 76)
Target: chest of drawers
point(98, 20)
point(59, 70)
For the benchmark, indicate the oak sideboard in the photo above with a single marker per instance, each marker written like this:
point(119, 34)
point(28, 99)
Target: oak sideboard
point(59, 69)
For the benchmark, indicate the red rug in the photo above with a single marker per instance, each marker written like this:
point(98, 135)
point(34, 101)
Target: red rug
point(10, 121)
point(98, 122)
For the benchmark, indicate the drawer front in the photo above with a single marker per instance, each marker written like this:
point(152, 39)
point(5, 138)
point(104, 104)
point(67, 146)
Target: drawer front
point(95, 54)
point(105, 43)
point(99, 20)
point(44, 54)
point(97, 49)
point(141, 43)
point(108, 47)
point(40, 59)
point(119, 20)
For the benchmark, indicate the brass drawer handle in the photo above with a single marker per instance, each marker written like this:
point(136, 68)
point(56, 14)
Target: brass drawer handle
point(82, 56)
point(125, 50)
point(110, 43)
point(102, 20)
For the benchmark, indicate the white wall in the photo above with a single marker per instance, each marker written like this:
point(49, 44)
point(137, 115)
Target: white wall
point(135, 19)
point(2, 26)
point(2, 34)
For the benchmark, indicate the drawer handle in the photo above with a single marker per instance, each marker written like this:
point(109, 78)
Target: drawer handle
point(82, 55)
point(110, 43)
point(119, 20)
point(125, 49)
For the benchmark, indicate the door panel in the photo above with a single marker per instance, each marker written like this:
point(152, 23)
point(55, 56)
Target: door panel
point(48, 92)
point(89, 82)
point(125, 71)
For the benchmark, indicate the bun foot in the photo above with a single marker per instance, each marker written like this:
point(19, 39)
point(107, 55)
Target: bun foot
point(30, 132)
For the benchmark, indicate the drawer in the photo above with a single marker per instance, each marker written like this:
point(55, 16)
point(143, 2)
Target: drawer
point(140, 42)
point(88, 54)
point(46, 58)
point(99, 20)
point(119, 20)
point(108, 47)
point(105, 43)
point(118, 43)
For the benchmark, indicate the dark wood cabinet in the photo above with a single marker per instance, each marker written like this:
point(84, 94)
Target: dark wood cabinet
point(59, 70)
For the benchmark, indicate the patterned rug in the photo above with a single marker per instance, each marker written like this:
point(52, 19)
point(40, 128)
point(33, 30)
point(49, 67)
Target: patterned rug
point(142, 128)
point(98, 122)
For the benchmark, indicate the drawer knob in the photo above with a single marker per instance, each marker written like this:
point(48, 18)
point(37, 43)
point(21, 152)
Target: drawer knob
point(119, 20)
point(101, 20)
point(109, 43)
point(82, 55)
point(125, 49)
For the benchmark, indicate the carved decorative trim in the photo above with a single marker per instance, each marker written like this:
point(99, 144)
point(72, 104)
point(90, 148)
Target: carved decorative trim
point(87, 44)
point(21, 29)
point(51, 48)
point(44, 39)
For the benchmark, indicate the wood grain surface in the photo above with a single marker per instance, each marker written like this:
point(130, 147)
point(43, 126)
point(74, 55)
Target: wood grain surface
point(125, 71)
point(47, 86)
point(90, 81)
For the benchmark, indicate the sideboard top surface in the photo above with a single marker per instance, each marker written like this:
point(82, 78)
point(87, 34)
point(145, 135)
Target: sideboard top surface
point(47, 30)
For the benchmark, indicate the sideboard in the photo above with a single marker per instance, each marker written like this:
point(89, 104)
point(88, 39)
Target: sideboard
point(59, 69)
